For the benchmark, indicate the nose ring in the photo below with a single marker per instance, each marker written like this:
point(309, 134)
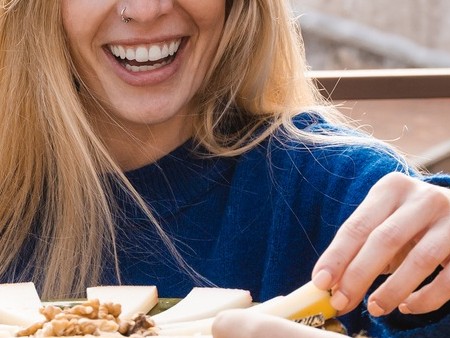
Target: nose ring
point(125, 19)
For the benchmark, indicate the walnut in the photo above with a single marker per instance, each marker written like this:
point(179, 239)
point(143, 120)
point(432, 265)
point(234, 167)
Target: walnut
point(50, 311)
point(106, 325)
point(125, 326)
point(60, 326)
point(31, 330)
point(109, 311)
point(47, 330)
point(89, 318)
point(143, 321)
point(87, 309)
point(87, 326)
point(141, 325)
point(68, 316)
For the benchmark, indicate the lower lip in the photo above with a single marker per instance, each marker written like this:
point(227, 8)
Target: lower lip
point(151, 77)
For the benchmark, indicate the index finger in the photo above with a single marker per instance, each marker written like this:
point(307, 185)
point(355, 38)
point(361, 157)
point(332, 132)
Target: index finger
point(378, 205)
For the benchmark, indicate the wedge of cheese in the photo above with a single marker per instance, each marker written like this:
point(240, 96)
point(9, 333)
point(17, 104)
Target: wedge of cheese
point(204, 302)
point(19, 304)
point(133, 298)
point(305, 301)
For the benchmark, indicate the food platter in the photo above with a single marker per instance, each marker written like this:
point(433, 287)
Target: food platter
point(333, 324)
point(164, 304)
point(132, 309)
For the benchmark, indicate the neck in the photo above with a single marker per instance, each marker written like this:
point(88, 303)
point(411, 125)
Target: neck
point(135, 145)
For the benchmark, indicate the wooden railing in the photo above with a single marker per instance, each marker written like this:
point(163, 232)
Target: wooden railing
point(383, 84)
point(413, 102)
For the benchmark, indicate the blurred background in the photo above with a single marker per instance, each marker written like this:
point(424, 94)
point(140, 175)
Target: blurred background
point(361, 34)
point(399, 51)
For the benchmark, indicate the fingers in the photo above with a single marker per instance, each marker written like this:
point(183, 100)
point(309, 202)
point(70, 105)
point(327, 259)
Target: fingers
point(246, 324)
point(430, 297)
point(378, 252)
point(401, 226)
point(352, 235)
point(421, 262)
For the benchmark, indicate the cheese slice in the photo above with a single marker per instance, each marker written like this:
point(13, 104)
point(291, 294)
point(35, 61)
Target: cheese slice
point(133, 298)
point(8, 331)
point(19, 304)
point(189, 328)
point(302, 302)
point(203, 303)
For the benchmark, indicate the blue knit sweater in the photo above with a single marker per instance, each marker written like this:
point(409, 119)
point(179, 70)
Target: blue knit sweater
point(258, 221)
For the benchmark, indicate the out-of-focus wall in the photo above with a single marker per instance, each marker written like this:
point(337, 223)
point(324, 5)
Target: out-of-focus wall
point(375, 34)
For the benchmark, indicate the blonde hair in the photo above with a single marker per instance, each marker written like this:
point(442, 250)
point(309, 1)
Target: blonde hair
point(52, 164)
point(49, 169)
point(260, 73)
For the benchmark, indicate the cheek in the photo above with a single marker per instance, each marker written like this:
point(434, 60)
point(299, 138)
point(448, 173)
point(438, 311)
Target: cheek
point(217, 16)
point(70, 16)
point(82, 18)
point(211, 27)
point(206, 13)
point(72, 26)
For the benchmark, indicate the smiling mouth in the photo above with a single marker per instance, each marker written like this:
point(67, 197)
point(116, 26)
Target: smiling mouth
point(144, 58)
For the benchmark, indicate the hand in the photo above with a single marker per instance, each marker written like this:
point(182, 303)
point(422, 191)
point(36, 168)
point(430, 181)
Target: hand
point(401, 228)
point(246, 324)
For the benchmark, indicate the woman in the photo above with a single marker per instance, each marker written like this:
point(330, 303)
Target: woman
point(162, 142)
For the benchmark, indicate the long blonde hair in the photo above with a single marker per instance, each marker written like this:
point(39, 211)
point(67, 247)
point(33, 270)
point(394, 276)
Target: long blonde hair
point(52, 164)
point(260, 71)
point(50, 159)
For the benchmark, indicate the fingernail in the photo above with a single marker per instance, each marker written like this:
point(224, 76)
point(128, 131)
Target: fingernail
point(322, 279)
point(339, 301)
point(403, 308)
point(375, 309)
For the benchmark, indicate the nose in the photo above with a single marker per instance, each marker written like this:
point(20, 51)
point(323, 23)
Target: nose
point(144, 10)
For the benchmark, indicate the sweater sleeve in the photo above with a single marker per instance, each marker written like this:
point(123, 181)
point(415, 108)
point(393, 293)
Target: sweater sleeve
point(429, 325)
point(396, 324)
point(339, 178)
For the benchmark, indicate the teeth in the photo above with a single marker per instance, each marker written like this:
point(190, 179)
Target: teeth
point(130, 54)
point(146, 53)
point(137, 69)
point(121, 52)
point(155, 53)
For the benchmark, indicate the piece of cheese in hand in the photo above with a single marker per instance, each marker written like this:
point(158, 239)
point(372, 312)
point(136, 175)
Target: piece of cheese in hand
point(204, 302)
point(303, 302)
point(19, 304)
point(133, 298)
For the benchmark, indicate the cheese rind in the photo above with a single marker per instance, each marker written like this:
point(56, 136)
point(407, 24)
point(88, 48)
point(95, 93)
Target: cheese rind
point(303, 302)
point(133, 298)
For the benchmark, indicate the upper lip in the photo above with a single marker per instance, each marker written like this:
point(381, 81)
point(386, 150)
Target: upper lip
point(146, 51)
